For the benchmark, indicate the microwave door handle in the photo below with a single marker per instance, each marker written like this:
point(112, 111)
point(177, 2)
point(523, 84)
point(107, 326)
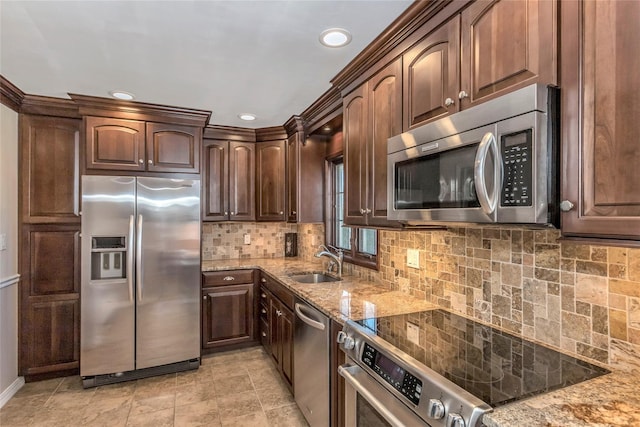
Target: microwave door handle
point(488, 142)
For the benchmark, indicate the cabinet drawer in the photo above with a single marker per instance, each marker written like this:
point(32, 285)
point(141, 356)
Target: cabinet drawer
point(230, 277)
point(265, 336)
point(278, 290)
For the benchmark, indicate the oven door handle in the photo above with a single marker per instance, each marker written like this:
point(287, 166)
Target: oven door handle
point(382, 400)
point(488, 202)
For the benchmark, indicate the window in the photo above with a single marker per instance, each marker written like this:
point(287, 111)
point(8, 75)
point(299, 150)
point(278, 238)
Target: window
point(360, 245)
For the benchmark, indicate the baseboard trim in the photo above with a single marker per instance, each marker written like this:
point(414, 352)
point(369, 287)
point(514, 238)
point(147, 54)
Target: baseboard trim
point(8, 281)
point(6, 395)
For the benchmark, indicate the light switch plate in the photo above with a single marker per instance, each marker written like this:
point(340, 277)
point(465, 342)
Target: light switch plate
point(3, 242)
point(413, 258)
point(413, 333)
point(247, 239)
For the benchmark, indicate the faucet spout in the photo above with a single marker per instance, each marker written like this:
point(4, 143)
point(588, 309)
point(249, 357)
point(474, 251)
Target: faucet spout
point(337, 259)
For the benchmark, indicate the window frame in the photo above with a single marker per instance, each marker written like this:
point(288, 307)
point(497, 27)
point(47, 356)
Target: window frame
point(353, 256)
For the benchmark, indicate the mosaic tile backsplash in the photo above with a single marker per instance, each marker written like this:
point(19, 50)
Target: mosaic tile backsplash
point(226, 240)
point(581, 298)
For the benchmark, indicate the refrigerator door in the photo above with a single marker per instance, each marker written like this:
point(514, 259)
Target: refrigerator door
point(107, 337)
point(168, 271)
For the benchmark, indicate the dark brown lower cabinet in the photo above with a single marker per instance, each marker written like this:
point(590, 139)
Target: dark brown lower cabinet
point(228, 310)
point(278, 302)
point(49, 330)
point(338, 357)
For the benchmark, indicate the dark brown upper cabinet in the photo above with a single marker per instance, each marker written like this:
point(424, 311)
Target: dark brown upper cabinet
point(305, 178)
point(131, 145)
point(50, 182)
point(489, 49)
point(372, 114)
point(270, 185)
point(228, 177)
point(600, 126)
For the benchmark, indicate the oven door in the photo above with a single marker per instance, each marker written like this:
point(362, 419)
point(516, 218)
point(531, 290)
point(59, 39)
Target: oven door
point(453, 179)
point(369, 404)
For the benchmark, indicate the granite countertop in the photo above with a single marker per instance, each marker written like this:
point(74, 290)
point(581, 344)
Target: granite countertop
point(609, 400)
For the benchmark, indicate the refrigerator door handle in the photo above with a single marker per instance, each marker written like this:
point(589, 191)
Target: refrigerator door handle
point(139, 258)
point(130, 258)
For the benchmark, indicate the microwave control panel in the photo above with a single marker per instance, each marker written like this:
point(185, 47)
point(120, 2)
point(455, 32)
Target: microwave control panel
point(517, 158)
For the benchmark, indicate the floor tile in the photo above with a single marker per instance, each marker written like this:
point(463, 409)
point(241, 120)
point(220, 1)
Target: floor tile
point(286, 416)
point(233, 384)
point(39, 387)
point(197, 414)
point(187, 395)
point(236, 405)
point(255, 419)
point(152, 404)
point(275, 397)
point(114, 417)
point(70, 399)
point(125, 389)
point(162, 418)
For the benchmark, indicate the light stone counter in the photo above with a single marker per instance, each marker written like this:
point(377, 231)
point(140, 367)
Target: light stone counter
point(610, 400)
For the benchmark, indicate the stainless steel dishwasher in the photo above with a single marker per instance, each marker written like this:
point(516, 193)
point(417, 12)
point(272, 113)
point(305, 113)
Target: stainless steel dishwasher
point(311, 364)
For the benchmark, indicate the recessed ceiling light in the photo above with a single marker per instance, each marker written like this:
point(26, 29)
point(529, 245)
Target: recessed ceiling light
point(126, 96)
point(335, 37)
point(247, 116)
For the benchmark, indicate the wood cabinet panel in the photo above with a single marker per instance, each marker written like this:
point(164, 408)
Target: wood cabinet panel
point(53, 343)
point(227, 315)
point(215, 176)
point(293, 165)
point(305, 178)
point(506, 45)
point(173, 148)
point(431, 76)
point(599, 116)
point(385, 121)
point(355, 156)
point(50, 180)
point(54, 262)
point(115, 144)
point(270, 185)
point(228, 277)
point(242, 181)
point(285, 337)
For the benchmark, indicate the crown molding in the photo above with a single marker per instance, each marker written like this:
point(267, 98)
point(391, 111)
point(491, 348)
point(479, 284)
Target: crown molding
point(229, 133)
point(10, 95)
point(324, 109)
point(270, 133)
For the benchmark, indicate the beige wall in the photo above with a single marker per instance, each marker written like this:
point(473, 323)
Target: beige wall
point(8, 257)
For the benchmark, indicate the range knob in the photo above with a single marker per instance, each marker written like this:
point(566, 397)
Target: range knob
point(455, 420)
point(347, 342)
point(341, 336)
point(435, 409)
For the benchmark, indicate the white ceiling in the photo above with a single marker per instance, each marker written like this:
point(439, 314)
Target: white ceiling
point(229, 57)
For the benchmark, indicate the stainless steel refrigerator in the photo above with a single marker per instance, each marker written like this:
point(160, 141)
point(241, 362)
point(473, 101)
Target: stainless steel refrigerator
point(140, 308)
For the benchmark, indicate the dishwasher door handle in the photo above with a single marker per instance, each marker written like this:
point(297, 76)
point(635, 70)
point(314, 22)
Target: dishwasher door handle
point(308, 320)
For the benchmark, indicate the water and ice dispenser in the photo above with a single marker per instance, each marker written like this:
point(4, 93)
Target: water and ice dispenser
point(108, 258)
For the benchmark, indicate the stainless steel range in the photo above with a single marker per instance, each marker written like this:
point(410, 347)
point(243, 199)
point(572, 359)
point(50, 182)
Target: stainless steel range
point(439, 369)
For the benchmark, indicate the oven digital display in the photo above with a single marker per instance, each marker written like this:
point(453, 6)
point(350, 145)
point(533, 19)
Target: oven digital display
point(403, 381)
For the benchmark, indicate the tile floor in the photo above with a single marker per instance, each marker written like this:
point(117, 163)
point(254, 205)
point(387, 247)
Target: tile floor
point(238, 388)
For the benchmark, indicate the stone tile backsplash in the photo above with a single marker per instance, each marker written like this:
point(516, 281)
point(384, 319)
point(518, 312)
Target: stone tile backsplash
point(226, 240)
point(584, 299)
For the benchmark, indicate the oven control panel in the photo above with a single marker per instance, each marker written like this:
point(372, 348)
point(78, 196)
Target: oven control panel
point(517, 158)
point(406, 383)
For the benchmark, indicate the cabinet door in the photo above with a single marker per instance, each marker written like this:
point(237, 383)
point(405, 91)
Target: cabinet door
point(173, 148)
point(507, 45)
point(355, 156)
point(215, 175)
point(49, 299)
point(242, 181)
point(385, 121)
point(115, 144)
point(292, 177)
point(50, 181)
point(270, 176)
point(431, 76)
point(286, 342)
point(227, 315)
point(600, 126)
point(274, 330)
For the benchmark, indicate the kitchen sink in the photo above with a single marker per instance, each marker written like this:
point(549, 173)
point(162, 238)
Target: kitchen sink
point(313, 277)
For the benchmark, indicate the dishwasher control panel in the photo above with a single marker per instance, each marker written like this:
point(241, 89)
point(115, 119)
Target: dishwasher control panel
point(405, 382)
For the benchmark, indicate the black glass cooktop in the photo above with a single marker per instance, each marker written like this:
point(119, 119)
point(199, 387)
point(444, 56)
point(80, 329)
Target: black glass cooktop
point(495, 366)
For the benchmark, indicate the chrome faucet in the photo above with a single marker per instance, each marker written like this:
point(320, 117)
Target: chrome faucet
point(336, 260)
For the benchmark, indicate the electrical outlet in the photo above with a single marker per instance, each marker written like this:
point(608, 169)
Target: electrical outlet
point(413, 258)
point(3, 242)
point(247, 239)
point(413, 333)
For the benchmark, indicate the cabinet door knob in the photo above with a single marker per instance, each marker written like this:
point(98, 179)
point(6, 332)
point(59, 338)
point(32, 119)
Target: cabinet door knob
point(279, 313)
point(566, 206)
point(141, 161)
point(362, 211)
point(264, 311)
point(463, 95)
point(150, 161)
point(293, 212)
point(263, 295)
point(281, 212)
point(226, 213)
point(448, 102)
point(264, 334)
point(204, 297)
point(233, 213)
point(367, 211)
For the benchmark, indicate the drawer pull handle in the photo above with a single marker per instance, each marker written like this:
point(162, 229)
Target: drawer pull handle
point(229, 278)
point(264, 311)
point(263, 295)
point(263, 280)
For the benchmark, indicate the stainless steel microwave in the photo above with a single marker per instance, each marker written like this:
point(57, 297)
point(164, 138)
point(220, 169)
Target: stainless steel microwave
point(493, 163)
